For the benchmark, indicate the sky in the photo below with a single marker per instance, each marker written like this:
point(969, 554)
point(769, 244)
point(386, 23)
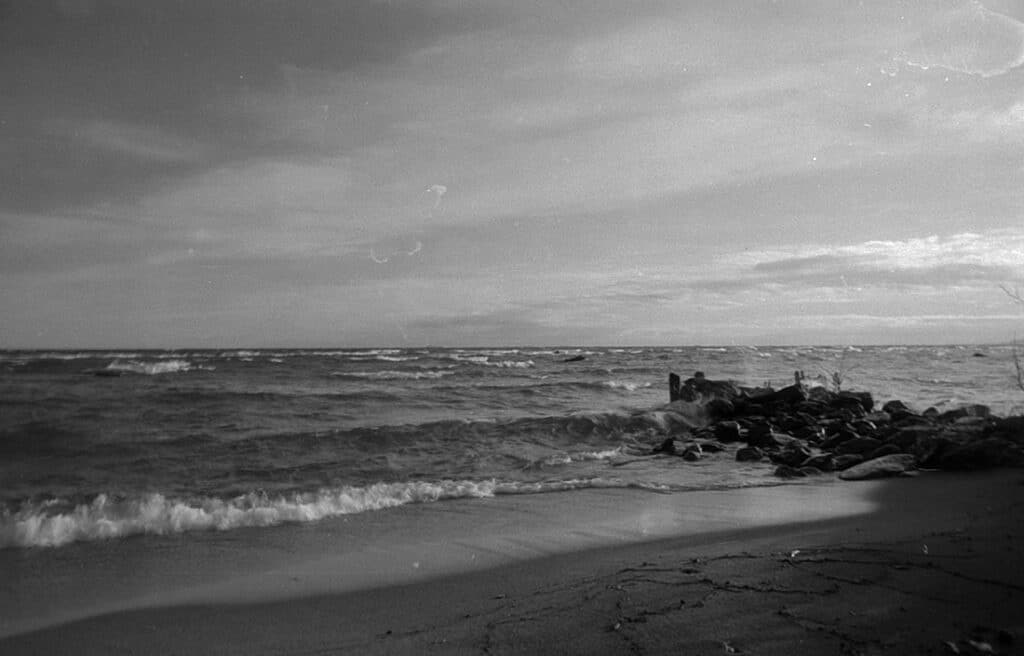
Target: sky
point(203, 173)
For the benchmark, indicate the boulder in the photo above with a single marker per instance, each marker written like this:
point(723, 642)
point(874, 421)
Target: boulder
point(692, 453)
point(821, 396)
point(930, 448)
point(976, 410)
point(793, 455)
point(711, 446)
point(700, 388)
point(720, 408)
point(813, 434)
point(878, 417)
point(890, 465)
point(860, 445)
point(791, 395)
point(894, 406)
point(884, 450)
point(749, 454)
point(864, 427)
point(846, 461)
point(822, 462)
point(785, 471)
point(981, 454)
point(1010, 428)
point(864, 399)
point(905, 417)
point(906, 437)
point(727, 431)
point(668, 446)
point(844, 434)
point(761, 435)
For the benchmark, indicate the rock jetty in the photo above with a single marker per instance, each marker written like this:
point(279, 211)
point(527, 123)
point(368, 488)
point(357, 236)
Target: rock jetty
point(811, 430)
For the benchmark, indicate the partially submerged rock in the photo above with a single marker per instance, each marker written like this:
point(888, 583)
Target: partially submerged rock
point(891, 465)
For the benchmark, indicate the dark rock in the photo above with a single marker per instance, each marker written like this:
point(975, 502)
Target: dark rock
point(907, 436)
point(693, 453)
point(108, 373)
point(893, 406)
point(846, 461)
point(905, 417)
point(975, 410)
point(884, 450)
point(981, 454)
point(845, 434)
point(720, 408)
point(864, 399)
point(785, 471)
point(727, 431)
point(575, 358)
point(930, 413)
point(789, 422)
point(822, 462)
point(711, 446)
point(673, 387)
point(864, 427)
point(832, 426)
point(813, 434)
point(860, 445)
point(890, 465)
point(785, 440)
point(1010, 428)
point(878, 417)
point(749, 454)
point(791, 395)
point(700, 388)
point(820, 396)
point(793, 455)
point(668, 446)
point(810, 471)
point(760, 435)
point(930, 448)
point(812, 408)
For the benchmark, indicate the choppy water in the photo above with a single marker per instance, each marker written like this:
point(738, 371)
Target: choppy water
point(193, 440)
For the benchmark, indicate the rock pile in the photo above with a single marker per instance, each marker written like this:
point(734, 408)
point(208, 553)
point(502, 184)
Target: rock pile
point(806, 431)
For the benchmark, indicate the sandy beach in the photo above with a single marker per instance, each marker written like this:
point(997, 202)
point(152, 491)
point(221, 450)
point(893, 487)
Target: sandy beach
point(933, 567)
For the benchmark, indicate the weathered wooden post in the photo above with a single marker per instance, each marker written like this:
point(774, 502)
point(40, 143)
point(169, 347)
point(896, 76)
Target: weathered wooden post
point(673, 387)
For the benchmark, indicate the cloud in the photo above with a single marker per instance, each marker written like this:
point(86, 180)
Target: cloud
point(936, 262)
point(971, 39)
point(135, 141)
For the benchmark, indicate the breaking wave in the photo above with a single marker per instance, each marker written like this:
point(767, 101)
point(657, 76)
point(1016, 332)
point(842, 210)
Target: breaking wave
point(428, 374)
point(626, 385)
point(108, 518)
point(154, 368)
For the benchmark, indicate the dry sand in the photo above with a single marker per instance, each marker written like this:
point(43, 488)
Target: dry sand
point(937, 568)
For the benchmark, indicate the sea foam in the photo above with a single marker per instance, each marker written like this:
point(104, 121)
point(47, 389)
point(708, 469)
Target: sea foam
point(153, 368)
point(154, 514)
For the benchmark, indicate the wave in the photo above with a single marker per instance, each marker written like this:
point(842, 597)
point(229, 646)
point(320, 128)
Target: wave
point(108, 518)
point(579, 456)
point(625, 384)
point(154, 368)
point(395, 375)
point(485, 361)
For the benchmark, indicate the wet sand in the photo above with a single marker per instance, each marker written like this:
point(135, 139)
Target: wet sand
point(936, 567)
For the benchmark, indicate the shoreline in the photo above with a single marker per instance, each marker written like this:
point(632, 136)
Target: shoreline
point(609, 592)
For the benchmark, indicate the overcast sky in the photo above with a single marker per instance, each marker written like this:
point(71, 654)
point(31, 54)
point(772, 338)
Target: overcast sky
point(484, 172)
